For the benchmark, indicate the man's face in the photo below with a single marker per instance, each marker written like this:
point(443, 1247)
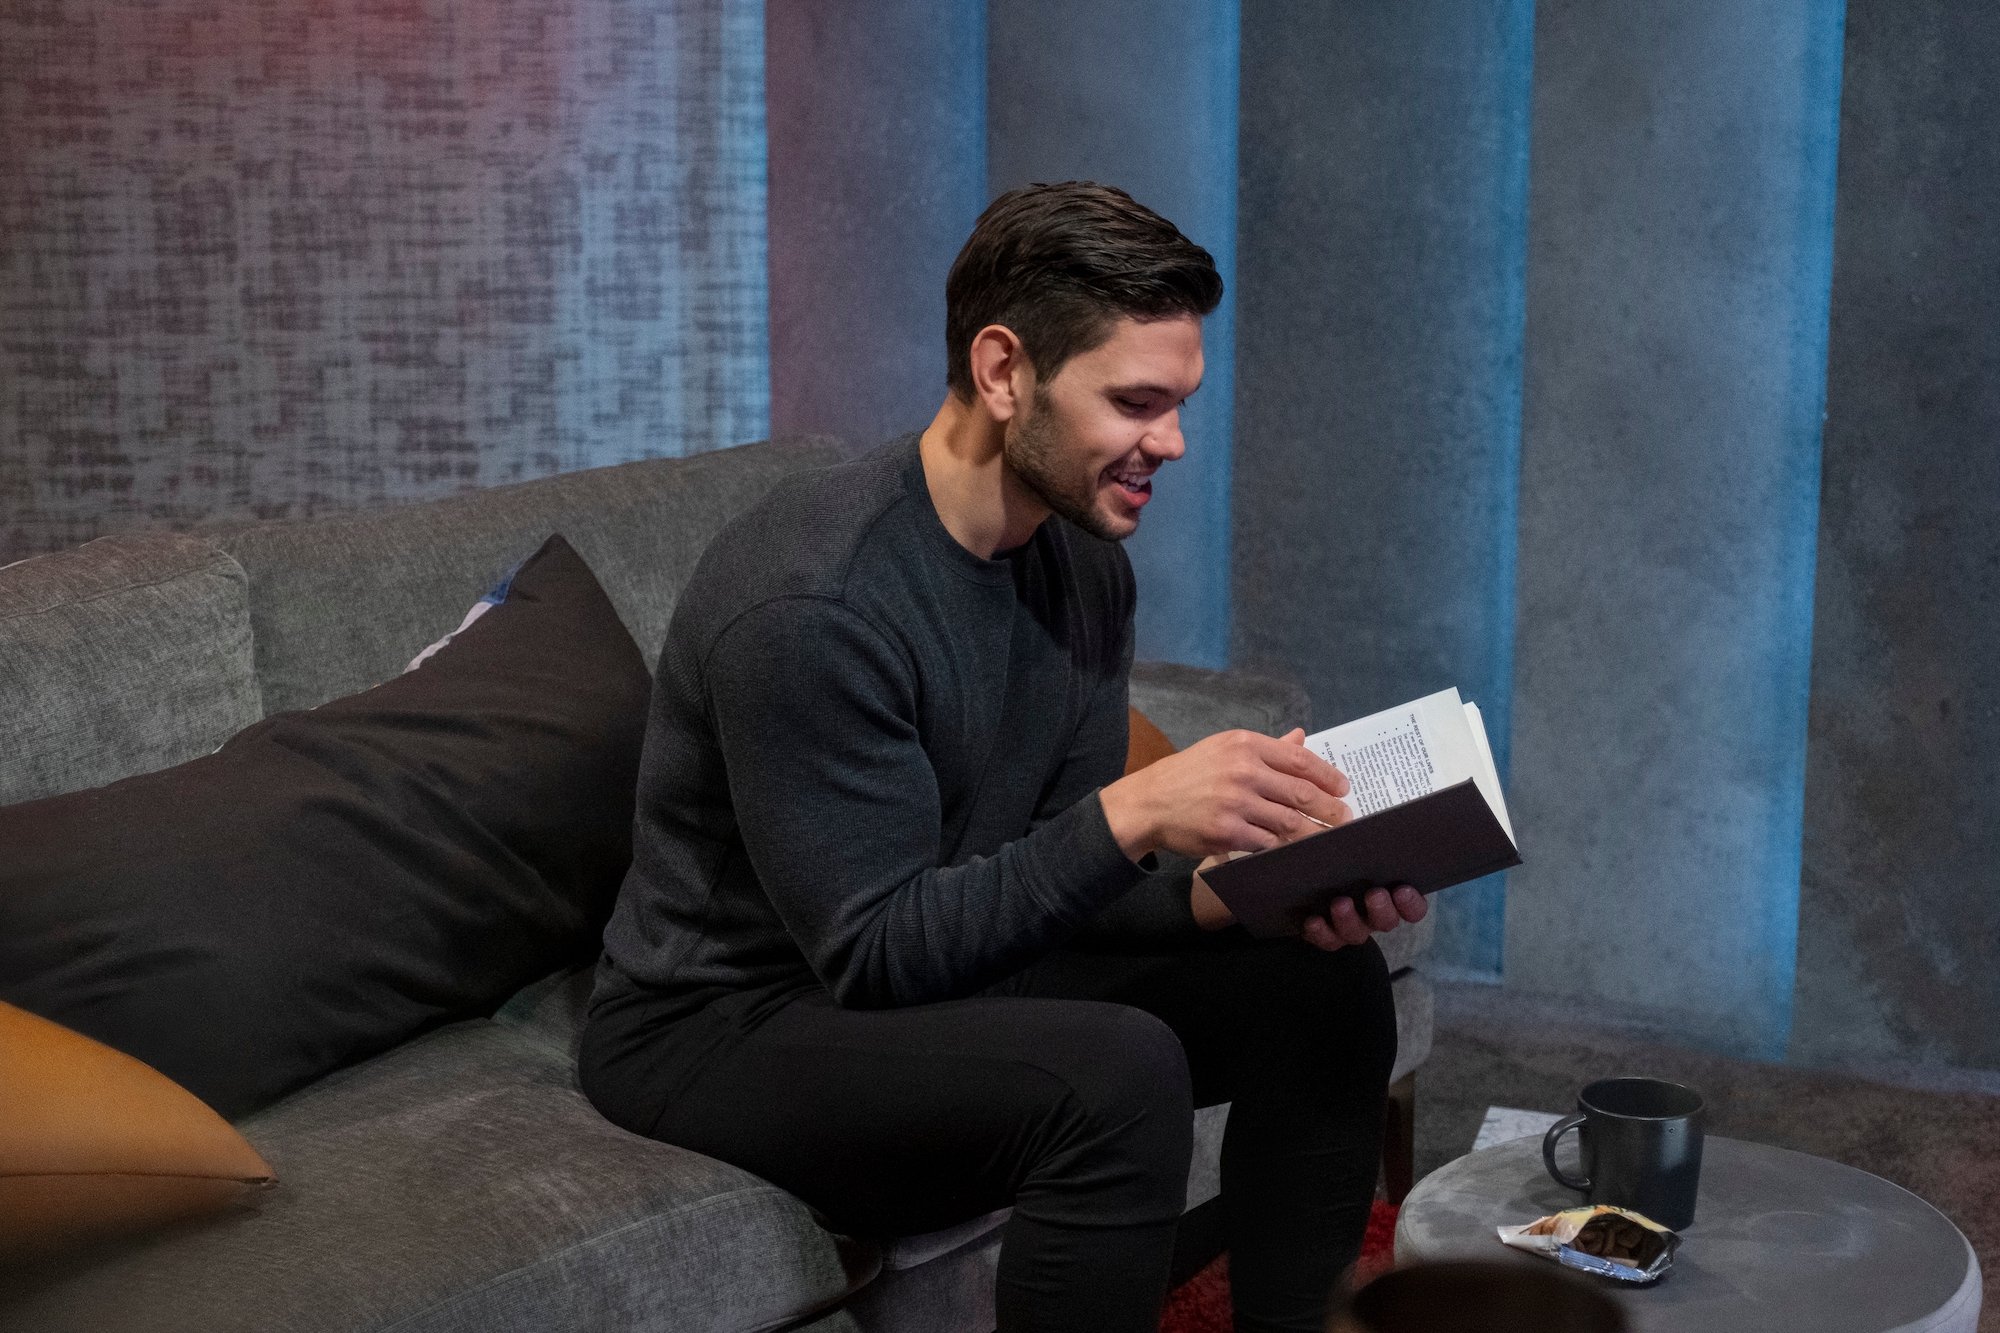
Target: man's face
point(1091, 438)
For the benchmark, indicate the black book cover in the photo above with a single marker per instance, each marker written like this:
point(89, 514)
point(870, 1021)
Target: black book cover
point(1432, 842)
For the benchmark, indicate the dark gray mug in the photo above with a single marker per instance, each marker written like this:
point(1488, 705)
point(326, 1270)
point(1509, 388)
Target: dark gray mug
point(1640, 1144)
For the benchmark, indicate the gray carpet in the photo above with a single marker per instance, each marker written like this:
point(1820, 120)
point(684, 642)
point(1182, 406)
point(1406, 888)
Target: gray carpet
point(1936, 1133)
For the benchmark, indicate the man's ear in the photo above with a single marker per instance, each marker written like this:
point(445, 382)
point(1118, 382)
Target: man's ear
point(1002, 375)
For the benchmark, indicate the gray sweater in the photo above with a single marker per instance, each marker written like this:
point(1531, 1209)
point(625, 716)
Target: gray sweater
point(873, 758)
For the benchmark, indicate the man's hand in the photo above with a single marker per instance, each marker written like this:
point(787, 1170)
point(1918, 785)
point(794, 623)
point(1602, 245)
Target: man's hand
point(1239, 787)
point(1234, 791)
point(1343, 923)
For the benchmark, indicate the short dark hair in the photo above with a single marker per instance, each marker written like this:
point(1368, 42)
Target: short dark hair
point(1059, 265)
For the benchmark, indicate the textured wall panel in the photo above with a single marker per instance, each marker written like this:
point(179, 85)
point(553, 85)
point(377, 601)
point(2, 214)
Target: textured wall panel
point(1899, 924)
point(1679, 256)
point(1384, 168)
point(878, 168)
point(260, 257)
point(1168, 139)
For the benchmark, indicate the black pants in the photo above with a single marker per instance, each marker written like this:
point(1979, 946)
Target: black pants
point(1067, 1092)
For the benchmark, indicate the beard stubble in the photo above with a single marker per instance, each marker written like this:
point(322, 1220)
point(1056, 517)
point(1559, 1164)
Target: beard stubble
point(1037, 450)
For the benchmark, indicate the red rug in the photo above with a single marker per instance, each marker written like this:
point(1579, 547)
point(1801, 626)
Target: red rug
point(1201, 1304)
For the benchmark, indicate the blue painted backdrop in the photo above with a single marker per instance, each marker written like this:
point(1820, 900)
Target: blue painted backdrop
point(1169, 137)
point(1519, 385)
point(1383, 215)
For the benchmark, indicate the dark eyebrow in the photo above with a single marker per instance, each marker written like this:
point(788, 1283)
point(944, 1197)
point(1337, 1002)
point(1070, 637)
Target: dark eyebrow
point(1160, 389)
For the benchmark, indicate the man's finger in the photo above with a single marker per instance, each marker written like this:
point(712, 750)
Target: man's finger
point(1299, 793)
point(1291, 756)
point(1347, 922)
point(1273, 823)
point(1328, 812)
point(1322, 810)
point(1262, 830)
point(1381, 910)
point(1320, 935)
point(1410, 905)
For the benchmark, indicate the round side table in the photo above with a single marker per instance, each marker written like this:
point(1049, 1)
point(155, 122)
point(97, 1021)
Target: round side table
point(1781, 1241)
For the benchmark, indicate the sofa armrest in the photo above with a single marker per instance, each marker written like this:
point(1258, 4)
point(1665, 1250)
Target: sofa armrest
point(1189, 703)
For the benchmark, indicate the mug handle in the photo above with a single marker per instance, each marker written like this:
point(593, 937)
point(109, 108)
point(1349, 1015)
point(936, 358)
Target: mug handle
point(1556, 1131)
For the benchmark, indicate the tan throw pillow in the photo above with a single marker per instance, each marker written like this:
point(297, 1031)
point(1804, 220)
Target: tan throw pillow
point(1145, 742)
point(94, 1143)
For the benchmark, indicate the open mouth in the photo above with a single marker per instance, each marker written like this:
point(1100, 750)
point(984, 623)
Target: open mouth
point(1134, 484)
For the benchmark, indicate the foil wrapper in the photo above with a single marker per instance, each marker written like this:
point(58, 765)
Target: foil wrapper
point(1611, 1242)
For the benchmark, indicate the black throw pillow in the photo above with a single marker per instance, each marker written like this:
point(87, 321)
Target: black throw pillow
point(331, 883)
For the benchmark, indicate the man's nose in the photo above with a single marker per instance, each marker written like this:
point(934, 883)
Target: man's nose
point(1166, 441)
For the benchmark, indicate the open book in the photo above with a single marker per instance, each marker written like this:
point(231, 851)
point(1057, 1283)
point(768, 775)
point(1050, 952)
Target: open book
point(1428, 812)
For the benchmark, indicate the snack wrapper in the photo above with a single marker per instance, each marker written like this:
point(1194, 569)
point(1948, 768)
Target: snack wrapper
point(1612, 1242)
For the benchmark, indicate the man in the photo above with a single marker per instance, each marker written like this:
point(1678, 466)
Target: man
point(897, 936)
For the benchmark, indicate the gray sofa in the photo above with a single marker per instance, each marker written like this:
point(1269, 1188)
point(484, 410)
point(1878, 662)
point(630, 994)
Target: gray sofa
point(460, 1181)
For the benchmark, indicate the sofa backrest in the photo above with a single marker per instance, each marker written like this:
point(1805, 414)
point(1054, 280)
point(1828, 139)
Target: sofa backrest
point(134, 653)
point(343, 602)
point(125, 655)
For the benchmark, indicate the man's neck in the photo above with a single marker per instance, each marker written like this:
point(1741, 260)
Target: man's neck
point(980, 501)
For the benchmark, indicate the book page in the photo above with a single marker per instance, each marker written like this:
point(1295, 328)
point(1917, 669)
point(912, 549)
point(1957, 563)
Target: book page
point(1400, 753)
point(1488, 776)
point(1413, 750)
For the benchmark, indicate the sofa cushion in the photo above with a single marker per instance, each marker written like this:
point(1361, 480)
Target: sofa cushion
point(330, 883)
point(126, 655)
point(343, 602)
point(1188, 703)
point(461, 1182)
point(94, 1143)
